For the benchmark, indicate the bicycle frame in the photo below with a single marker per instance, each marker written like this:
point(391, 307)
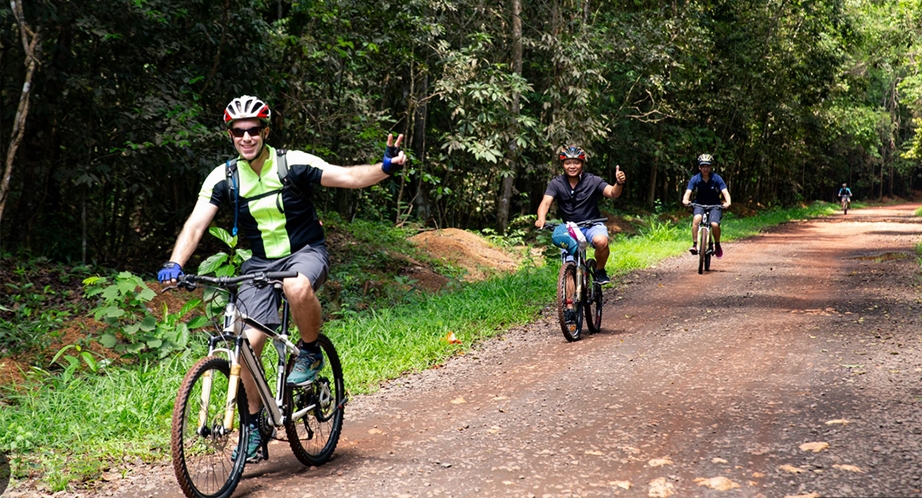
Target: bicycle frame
point(705, 238)
point(235, 325)
point(579, 297)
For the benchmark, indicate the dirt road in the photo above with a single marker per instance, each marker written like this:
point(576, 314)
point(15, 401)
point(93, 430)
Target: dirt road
point(791, 369)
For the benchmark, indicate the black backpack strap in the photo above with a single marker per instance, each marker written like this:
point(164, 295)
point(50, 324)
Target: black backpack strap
point(233, 189)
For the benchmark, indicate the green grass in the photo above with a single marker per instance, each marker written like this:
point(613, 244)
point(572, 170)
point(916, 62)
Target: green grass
point(72, 432)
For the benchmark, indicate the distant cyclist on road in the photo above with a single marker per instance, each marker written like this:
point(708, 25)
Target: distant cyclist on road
point(709, 187)
point(577, 194)
point(845, 194)
point(283, 228)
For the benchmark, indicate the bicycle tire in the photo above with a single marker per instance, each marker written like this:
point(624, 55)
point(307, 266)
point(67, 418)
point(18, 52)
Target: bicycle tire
point(709, 254)
point(202, 456)
point(571, 325)
point(314, 436)
point(702, 247)
point(592, 299)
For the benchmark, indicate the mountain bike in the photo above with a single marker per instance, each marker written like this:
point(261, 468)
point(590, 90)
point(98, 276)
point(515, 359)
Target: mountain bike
point(208, 445)
point(846, 203)
point(705, 240)
point(579, 296)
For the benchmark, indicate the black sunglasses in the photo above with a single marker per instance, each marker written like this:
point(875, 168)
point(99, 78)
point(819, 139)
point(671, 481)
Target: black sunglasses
point(238, 132)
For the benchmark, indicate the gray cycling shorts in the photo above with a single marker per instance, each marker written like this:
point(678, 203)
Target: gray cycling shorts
point(714, 216)
point(263, 304)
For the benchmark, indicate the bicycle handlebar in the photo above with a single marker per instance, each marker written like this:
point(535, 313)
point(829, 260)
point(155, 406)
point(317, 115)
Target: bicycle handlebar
point(707, 206)
point(550, 225)
point(259, 279)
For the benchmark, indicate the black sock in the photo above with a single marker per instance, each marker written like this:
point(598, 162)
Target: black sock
point(311, 347)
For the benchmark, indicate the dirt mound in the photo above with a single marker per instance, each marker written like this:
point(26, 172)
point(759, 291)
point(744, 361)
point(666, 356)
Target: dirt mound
point(467, 250)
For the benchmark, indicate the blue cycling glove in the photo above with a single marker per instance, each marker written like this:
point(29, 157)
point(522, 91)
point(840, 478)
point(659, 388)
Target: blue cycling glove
point(387, 166)
point(169, 271)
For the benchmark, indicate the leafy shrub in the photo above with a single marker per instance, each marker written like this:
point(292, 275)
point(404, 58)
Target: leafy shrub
point(132, 330)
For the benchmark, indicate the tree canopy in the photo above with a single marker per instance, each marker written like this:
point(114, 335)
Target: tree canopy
point(792, 98)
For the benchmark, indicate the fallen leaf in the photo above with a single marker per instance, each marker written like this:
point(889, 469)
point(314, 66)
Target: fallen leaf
point(451, 338)
point(375, 431)
point(838, 421)
point(790, 468)
point(815, 447)
point(621, 484)
point(596, 453)
point(493, 430)
point(758, 474)
point(718, 460)
point(720, 483)
point(850, 468)
point(660, 488)
point(659, 462)
point(458, 401)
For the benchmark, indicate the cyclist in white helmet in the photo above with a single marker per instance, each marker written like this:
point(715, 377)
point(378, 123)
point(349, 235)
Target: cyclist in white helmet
point(709, 186)
point(282, 226)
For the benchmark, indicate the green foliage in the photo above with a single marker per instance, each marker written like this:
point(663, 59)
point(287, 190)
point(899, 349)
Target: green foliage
point(82, 358)
point(132, 330)
point(222, 264)
point(28, 324)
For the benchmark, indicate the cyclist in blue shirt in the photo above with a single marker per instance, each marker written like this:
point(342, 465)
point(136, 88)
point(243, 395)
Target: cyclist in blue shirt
point(845, 192)
point(709, 186)
point(577, 194)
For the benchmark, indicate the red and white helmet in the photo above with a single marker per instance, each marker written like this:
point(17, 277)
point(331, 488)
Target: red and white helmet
point(246, 107)
point(571, 152)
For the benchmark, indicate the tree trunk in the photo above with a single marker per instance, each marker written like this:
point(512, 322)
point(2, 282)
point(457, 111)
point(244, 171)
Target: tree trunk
point(502, 214)
point(651, 186)
point(423, 200)
point(31, 41)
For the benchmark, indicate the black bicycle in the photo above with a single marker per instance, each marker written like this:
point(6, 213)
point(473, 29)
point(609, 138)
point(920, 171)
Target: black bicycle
point(579, 296)
point(705, 240)
point(208, 432)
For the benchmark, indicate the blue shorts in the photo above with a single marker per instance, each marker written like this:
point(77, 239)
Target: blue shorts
point(597, 229)
point(263, 304)
point(589, 233)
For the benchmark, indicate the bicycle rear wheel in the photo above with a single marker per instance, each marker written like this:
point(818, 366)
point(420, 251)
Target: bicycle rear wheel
point(201, 445)
point(569, 306)
point(592, 300)
point(315, 418)
point(702, 246)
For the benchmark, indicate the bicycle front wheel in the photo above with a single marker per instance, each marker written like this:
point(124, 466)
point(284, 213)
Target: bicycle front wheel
point(315, 418)
point(569, 307)
point(202, 447)
point(592, 300)
point(702, 247)
point(707, 257)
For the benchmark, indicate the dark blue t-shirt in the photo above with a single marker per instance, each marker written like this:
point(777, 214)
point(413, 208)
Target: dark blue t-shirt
point(580, 203)
point(709, 191)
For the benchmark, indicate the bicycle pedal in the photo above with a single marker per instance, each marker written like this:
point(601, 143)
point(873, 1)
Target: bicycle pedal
point(261, 455)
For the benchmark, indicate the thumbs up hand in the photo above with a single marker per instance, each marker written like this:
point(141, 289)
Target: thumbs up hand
point(620, 177)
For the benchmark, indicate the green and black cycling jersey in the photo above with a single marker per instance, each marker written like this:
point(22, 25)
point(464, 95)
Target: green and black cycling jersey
point(277, 224)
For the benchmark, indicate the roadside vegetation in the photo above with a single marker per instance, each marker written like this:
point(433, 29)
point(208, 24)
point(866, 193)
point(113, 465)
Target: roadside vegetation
point(80, 410)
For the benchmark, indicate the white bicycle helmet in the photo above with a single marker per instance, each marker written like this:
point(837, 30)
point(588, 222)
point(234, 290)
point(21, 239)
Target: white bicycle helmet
point(246, 107)
point(705, 159)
